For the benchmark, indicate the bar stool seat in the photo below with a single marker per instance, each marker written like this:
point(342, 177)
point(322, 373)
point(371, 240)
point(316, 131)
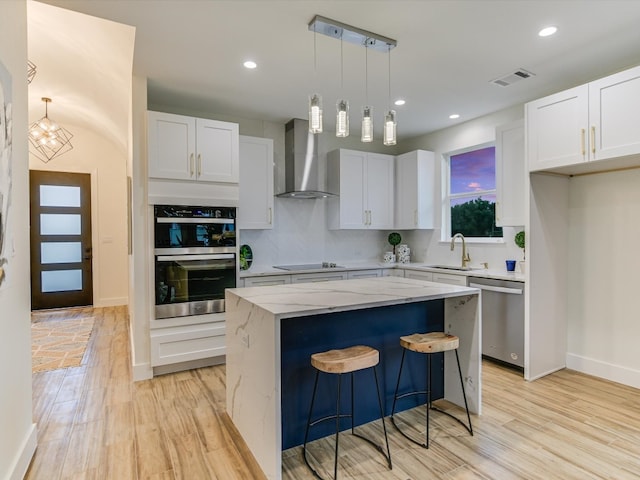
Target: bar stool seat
point(429, 343)
point(346, 360)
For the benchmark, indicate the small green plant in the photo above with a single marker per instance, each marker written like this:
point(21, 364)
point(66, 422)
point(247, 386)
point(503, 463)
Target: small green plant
point(394, 239)
point(519, 239)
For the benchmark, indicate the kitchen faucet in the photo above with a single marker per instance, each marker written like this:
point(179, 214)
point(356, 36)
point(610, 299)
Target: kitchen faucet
point(465, 255)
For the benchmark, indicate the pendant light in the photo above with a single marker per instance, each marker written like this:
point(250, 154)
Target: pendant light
point(367, 111)
point(342, 106)
point(47, 138)
point(315, 100)
point(390, 116)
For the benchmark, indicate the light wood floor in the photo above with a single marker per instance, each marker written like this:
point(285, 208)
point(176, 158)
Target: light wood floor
point(95, 423)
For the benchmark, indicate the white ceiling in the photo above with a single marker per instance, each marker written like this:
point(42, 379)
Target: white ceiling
point(448, 52)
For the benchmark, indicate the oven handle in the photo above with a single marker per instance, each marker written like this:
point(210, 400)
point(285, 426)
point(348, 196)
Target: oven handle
point(490, 288)
point(171, 258)
point(220, 221)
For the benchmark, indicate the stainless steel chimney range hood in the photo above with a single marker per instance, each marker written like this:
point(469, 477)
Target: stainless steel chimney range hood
point(301, 162)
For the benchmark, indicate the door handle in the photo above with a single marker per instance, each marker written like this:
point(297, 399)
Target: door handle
point(191, 160)
point(593, 140)
point(199, 164)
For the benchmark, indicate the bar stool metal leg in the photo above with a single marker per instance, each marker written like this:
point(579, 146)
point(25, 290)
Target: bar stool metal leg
point(335, 460)
point(464, 395)
point(429, 405)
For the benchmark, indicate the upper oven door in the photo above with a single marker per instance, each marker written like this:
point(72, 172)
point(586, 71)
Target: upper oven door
point(190, 231)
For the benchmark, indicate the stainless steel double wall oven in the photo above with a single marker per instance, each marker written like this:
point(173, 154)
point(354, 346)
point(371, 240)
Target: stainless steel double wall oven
point(195, 259)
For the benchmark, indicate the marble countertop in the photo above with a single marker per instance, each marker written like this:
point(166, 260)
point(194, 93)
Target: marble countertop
point(302, 299)
point(495, 273)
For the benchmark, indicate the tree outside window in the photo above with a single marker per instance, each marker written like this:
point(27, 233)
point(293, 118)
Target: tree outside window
point(472, 193)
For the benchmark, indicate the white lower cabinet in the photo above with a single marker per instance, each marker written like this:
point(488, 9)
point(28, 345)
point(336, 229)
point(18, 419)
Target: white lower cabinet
point(318, 277)
point(393, 272)
point(428, 276)
point(187, 343)
point(353, 274)
point(450, 278)
point(438, 277)
point(267, 280)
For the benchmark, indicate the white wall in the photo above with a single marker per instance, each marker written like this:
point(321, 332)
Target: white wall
point(17, 431)
point(141, 257)
point(604, 228)
point(425, 244)
point(95, 155)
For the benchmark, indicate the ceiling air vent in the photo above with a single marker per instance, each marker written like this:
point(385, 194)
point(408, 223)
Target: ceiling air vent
point(511, 78)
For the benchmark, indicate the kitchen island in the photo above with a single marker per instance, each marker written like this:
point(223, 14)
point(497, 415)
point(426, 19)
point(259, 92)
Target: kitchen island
point(271, 330)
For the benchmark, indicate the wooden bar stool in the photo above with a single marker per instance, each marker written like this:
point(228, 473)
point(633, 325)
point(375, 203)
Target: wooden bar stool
point(429, 343)
point(347, 360)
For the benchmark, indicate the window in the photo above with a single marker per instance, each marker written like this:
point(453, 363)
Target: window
point(470, 203)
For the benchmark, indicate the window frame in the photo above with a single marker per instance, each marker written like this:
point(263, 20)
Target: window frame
point(445, 236)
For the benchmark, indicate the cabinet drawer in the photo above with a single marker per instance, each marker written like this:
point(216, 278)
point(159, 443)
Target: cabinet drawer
point(267, 280)
point(418, 275)
point(451, 279)
point(187, 343)
point(318, 277)
point(363, 274)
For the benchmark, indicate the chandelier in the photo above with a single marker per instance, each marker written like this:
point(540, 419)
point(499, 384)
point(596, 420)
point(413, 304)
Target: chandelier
point(369, 40)
point(48, 138)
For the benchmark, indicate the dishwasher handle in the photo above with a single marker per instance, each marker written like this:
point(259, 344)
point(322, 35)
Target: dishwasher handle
point(491, 288)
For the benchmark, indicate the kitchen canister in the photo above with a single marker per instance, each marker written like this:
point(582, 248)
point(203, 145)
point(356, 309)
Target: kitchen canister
point(404, 258)
point(389, 257)
point(402, 249)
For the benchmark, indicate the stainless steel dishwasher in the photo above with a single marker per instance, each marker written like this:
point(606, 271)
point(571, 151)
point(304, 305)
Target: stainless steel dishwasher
point(502, 319)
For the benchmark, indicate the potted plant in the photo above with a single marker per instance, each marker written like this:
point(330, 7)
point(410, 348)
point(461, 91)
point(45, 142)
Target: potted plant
point(519, 239)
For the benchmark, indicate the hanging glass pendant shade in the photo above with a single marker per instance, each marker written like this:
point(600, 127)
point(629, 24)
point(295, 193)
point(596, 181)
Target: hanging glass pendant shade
point(315, 113)
point(367, 125)
point(342, 118)
point(390, 128)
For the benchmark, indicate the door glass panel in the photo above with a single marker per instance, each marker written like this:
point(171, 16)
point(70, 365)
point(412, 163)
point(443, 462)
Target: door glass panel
point(60, 252)
point(61, 280)
point(59, 224)
point(59, 196)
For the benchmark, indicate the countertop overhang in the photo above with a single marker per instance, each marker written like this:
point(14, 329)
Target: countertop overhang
point(302, 299)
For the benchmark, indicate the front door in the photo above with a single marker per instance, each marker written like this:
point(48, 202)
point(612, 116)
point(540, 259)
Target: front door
point(60, 239)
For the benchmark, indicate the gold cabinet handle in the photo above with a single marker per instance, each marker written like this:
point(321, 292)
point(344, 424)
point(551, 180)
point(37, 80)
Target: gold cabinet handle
point(191, 165)
point(415, 218)
point(199, 164)
point(270, 216)
point(593, 139)
point(582, 141)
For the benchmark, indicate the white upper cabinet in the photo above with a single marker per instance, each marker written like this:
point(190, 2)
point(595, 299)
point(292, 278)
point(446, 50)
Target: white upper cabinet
point(510, 174)
point(256, 183)
point(597, 121)
point(364, 182)
point(614, 115)
point(186, 148)
point(414, 190)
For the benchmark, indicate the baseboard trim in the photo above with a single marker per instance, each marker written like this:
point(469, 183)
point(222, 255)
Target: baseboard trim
point(27, 450)
point(608, 371)
point(111, 302)
point(142, 371)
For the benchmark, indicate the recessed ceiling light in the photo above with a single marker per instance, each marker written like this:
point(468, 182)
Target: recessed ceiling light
point(250, 64)
point(453, 116)
point(547, 31)
point(400, 101)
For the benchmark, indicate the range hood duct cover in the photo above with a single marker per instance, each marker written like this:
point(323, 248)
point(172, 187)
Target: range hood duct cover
point(301, 162)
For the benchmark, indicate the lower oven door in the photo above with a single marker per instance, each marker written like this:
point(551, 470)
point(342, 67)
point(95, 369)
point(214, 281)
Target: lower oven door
point(192, 284)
